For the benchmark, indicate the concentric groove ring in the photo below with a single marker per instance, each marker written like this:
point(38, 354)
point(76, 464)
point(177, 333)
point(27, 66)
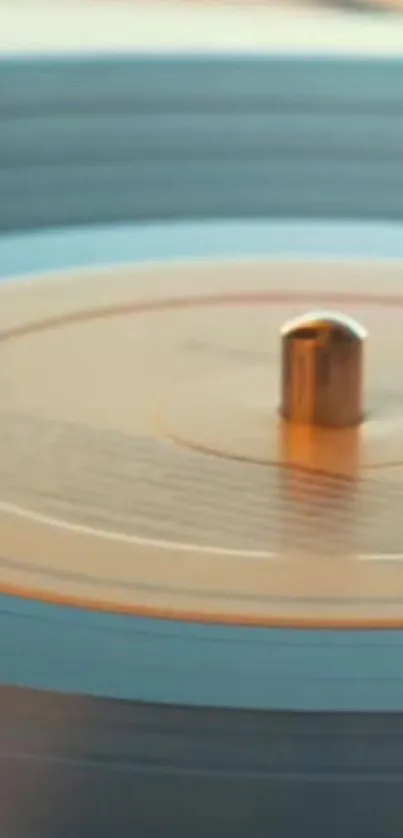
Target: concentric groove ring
point(168, 531)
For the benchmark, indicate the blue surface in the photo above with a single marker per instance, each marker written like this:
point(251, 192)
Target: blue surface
point(119, 139)
point(96, 246)
point(71, 650)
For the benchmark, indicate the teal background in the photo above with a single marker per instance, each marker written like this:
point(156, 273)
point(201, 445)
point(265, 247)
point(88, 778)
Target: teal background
point(87, 140)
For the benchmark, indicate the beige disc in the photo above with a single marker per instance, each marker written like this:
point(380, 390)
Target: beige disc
point(142, 460)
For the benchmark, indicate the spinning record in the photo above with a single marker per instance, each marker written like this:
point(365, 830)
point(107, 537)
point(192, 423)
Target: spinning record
point(145, 464)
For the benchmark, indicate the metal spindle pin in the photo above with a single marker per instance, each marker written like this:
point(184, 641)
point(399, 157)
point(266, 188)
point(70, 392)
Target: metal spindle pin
point(322, 371)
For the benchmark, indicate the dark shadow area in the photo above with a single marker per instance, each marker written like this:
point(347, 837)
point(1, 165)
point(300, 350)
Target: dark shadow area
point(77, 767)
